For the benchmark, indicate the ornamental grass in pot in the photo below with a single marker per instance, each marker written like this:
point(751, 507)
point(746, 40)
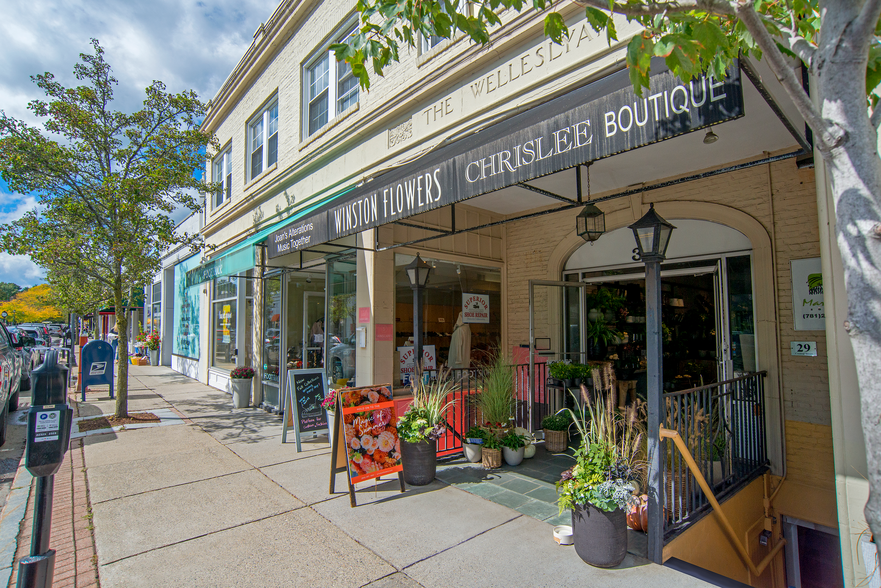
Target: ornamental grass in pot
point(423, 424)
point(600, 487)
point(496, 397)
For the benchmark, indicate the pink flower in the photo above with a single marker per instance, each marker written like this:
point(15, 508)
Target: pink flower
point(386, 441)
point(382, 417)
point(368, 465)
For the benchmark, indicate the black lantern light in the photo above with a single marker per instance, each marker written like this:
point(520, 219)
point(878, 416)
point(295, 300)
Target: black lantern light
point(652, 235)
point(417, 273)
point(590, 224)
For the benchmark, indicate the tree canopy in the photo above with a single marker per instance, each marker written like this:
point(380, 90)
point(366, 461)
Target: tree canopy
point(32, 305)
point(106, 181)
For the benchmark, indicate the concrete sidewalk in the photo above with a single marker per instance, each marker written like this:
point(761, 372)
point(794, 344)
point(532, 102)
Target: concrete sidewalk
point(215, 499)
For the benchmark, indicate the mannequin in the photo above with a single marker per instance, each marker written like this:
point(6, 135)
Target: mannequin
point(460, 346)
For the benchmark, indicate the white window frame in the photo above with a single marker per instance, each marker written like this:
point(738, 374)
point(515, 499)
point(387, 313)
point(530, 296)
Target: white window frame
point(336, 72)
point(265, 135)
point(429, 43)
point(222, 174)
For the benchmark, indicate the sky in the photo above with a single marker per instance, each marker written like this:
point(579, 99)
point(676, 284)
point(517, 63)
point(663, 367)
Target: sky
point(186, 44)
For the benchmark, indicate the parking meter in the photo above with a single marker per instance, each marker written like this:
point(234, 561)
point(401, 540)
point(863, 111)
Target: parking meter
point(48, 438)
point(49, 381)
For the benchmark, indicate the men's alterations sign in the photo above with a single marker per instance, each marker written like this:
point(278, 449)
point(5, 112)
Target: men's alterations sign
point(475, 308)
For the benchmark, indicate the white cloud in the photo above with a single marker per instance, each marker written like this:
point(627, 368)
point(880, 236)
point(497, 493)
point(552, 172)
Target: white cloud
point(20, 270)
point(13, 206)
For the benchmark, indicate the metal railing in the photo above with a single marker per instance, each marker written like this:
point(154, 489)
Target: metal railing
point(723, 427)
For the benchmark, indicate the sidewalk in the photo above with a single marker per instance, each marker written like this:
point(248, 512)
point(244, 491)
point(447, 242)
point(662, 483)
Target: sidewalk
point(214, 499)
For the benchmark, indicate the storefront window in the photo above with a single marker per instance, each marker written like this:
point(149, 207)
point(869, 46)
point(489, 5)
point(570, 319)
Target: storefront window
point(271, 338)
point(223, 317)
point(740, 305)
point(185, 330)
point(342, 321)
point(155, 316)
point(462, 308)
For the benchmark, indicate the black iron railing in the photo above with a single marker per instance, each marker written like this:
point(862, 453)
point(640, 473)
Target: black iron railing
point(723, 427)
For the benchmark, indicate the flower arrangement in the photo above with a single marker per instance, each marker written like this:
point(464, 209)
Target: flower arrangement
point(609, 462)
point(425, 419)
point(152, 341)
point(242, 373)
point(371, 437)
point(329, 402)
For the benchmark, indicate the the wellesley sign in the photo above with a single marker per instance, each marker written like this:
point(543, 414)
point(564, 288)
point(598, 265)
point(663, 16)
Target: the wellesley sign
point(612, 123)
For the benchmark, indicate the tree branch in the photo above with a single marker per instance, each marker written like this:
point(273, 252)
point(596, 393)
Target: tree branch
point(864, 24)
point(722, 7)
point(827, 136)
point(875, 119)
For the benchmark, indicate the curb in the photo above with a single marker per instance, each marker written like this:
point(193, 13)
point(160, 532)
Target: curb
point(10, 520)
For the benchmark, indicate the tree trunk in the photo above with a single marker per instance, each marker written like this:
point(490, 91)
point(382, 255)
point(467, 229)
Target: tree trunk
point(122, 365)
point(854, 170)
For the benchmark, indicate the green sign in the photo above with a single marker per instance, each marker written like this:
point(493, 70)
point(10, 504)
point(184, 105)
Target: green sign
point(225, 265)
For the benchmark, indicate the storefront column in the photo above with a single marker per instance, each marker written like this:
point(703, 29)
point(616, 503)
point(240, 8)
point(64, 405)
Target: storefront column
point(376, 290)
point(654, 372)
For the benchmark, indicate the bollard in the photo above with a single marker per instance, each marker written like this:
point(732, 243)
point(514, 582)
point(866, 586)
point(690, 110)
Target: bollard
point(48, 438)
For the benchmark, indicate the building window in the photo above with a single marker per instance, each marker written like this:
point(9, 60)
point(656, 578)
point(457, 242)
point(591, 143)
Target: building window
point(263, 140)
point(223, 176)
point(430, 42)
point(223, 317)
point(155, 320)
point(330, 87)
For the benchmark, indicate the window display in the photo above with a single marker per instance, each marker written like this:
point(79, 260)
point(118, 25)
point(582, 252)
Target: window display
point(185, 330)
point(223, 316)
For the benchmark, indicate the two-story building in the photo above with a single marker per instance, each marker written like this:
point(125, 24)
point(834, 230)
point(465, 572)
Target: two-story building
point(480, 160)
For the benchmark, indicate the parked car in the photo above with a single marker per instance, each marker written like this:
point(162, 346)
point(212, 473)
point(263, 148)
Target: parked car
point(40, 340)
point(10, 378)
point(342, 358)
point(30, 358)
point(41, 330)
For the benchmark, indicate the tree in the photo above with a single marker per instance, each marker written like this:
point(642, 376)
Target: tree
point(107, 181)
point(837, 40)
point(8, 290)
point(33, 305)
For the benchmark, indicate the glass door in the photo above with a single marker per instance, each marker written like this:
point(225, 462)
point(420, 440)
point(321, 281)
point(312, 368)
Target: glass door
point(313, 329)
point(272, 340)
point(341, 321)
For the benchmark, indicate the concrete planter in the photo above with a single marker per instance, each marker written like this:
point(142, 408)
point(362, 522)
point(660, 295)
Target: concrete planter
point(513, 456)
point(241, 392)
point(473, 452)
point(154, 357)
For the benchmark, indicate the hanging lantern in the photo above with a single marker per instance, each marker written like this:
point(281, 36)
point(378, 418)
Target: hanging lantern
point(590, 224)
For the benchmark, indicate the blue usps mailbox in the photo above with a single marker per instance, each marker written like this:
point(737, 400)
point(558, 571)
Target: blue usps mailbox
point(97, 366)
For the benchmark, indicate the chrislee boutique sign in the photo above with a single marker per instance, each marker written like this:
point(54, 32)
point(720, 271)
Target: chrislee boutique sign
point(597, 121)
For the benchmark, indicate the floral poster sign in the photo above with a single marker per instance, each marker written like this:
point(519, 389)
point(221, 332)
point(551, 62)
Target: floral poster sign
point(373, 448)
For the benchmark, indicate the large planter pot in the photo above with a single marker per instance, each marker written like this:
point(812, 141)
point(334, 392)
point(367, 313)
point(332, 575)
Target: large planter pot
point(556, 441)
point(513, 456)
point(419, 461)
point(154, 357)
point(473, 452)
point(241, 392)
point(600, 537)
point(492, 458)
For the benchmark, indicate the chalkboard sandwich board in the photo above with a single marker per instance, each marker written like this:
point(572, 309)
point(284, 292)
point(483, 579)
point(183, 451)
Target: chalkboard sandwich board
point(305, 391)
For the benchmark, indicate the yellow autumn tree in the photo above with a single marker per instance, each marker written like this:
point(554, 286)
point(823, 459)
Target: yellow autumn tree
point(33, 305)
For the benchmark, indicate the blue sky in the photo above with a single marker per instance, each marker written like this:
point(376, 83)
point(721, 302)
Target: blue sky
point(186, 44)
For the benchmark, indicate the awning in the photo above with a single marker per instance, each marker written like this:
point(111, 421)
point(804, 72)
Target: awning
point(596, 121)
point(239, 260)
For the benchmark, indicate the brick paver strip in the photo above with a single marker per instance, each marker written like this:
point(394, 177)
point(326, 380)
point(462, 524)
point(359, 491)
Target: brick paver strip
point(72, 536)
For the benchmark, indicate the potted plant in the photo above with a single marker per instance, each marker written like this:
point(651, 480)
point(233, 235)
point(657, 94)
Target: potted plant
point(496, 397)
point(240, 380)
point(601, 335)
point(421, 426)
point(601, 485)
point(152, 344)
point(492, 452)
point(560, 370)
point(513, 446)
point(556, 427)
point(472, 445)
point(329, 404)
point(581, 373)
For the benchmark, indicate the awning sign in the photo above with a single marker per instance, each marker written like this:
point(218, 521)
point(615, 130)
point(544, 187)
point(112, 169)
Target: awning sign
point(475, 308)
